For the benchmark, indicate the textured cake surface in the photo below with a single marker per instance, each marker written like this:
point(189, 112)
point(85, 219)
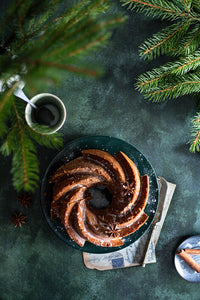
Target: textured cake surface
point(72, 186)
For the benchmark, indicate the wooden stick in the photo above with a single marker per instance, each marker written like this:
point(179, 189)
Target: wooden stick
point(189, 260)
point(192, 251)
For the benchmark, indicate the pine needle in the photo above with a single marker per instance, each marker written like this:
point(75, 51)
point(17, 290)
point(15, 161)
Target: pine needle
point(42, 42)
point(170, 10)
point(180, 40)
point(195, 134)
point(165, 41)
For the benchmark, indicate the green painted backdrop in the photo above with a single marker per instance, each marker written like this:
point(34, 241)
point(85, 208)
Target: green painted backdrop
point(34, 263)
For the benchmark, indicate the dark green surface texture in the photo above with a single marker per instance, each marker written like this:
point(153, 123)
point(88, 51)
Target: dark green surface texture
point(34, 262)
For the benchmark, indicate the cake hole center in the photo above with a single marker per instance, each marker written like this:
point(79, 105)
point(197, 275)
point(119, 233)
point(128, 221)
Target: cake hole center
point(101, 197)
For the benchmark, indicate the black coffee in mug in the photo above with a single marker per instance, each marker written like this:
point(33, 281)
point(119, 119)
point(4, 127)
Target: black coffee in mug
point(50, 112)
point(47, 114)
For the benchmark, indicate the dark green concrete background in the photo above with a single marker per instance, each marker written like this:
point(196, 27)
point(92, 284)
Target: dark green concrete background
point(34, 263)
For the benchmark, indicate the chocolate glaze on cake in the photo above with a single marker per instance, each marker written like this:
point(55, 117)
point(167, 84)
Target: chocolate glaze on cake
point(104, 227)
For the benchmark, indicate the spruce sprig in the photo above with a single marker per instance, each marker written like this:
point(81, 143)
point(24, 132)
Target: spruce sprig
point(20, 142)
point(46, 37)
point(180, 86)
point(25, 165)
point(168, 74)
point(165, 41)
point(58, 41)
point(164, 9)
point(181, 41)
point(195, 134)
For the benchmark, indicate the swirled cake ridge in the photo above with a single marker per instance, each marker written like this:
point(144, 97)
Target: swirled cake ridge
point(106, 227)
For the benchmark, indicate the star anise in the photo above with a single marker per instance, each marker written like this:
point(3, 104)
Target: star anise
point(18, 219)
point(24, 200)
point(112, 231)
point(128, 188)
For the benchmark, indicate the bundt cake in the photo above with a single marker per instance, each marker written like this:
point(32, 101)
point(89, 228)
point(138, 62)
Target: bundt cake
point(72, 186)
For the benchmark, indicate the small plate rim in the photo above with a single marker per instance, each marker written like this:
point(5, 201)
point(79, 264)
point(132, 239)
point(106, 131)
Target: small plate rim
point(195, 278)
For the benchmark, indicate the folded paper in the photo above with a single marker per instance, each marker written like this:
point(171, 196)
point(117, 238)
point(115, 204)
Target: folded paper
point(142, 251)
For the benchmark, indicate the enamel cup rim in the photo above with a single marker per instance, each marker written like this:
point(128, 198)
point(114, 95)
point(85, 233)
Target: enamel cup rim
point(34, 100)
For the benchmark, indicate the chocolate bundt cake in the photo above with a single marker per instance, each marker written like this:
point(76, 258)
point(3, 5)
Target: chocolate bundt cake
point(72, 185)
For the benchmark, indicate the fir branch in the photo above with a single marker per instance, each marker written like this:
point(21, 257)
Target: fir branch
point(6, 96)
point(152, 78)
point(54, 140)
point(74, 69)
point(73, 17)
point(74, 33)
point(184, 85)
point(39, 29)
point(187, 4)
point(164, 41)
point(161, 9)
point(182, 40)
point(190, 42)
point(25, 165)
point(196, 6)
point(168, 72)
point(62, 51)
point(8, 146)
point(90, 45)
point(11, 11)
point(6, 109)
point(22, 152)
point(195, 134)
point(69, 40)
point(26, 176)
point(184, 65)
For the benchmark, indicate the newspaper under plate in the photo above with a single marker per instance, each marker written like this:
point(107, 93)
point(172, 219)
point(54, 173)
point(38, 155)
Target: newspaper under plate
point(142, 251)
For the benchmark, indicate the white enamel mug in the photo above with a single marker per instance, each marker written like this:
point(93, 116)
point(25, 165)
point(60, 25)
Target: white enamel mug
point(48, 106)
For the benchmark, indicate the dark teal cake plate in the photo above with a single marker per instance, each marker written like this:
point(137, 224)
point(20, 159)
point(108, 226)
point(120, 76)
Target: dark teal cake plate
point(113, 146)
